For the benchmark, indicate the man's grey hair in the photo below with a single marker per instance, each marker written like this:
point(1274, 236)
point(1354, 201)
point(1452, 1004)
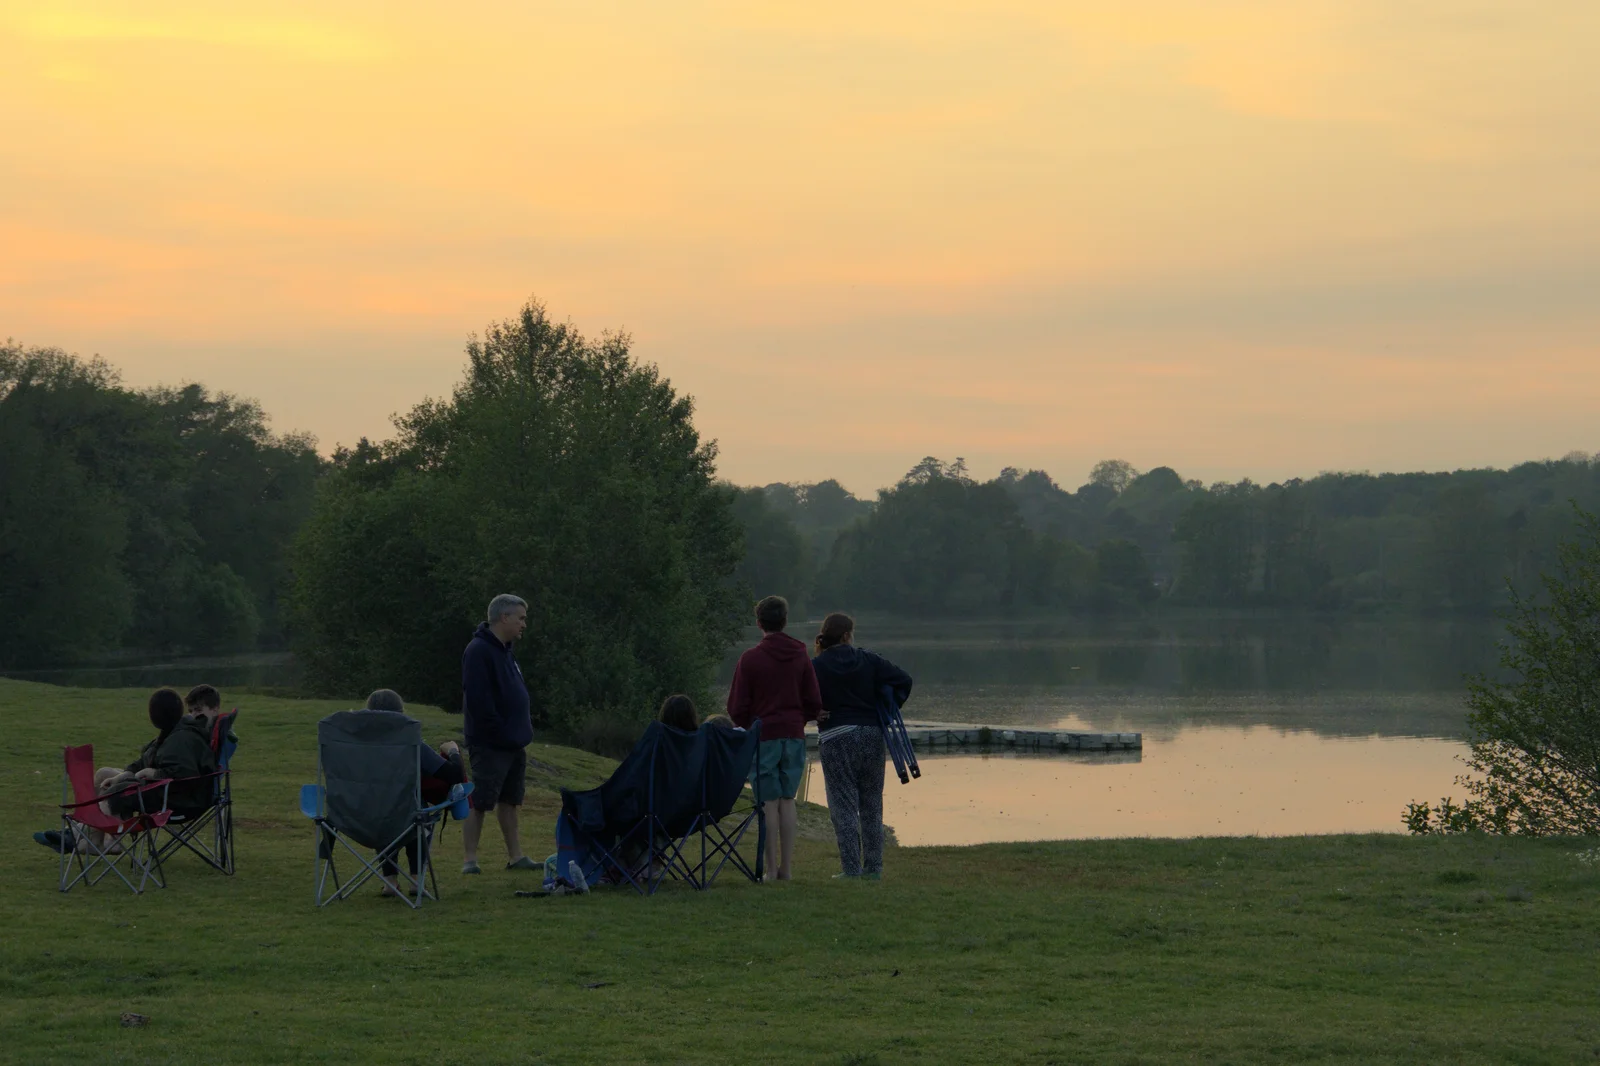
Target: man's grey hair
point(386, 699)
point(503, 605)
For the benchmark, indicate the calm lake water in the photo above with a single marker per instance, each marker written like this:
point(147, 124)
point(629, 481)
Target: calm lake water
point(1263, 726)
point(1256, 725)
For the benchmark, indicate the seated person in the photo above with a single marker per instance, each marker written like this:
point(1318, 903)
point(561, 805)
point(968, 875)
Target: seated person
point(721, 721)
point(440, 770)
point(180, 751)
point(678, 712)
point(205, 703)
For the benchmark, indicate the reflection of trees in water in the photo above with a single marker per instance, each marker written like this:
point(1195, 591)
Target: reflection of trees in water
point(1160, 716)
point(257, 670)
point(1198, 654)
point(1337, 676)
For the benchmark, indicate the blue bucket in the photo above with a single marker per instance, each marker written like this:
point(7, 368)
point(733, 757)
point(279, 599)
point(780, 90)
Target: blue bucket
point(459, 807)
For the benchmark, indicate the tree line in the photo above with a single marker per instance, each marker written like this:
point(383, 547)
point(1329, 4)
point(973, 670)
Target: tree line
point(939, 540)
point(156, 519)
point(175, 521)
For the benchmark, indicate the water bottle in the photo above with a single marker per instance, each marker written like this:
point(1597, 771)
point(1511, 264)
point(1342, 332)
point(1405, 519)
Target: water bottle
point(575, 875)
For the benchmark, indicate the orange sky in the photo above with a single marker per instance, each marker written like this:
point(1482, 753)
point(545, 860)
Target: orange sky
point(1237, 238)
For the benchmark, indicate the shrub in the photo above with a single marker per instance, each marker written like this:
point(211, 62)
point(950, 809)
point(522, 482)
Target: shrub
point(1535, 756)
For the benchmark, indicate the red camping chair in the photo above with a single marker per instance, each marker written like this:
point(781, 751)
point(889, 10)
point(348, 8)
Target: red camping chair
point(215, 848)
point(131, 838)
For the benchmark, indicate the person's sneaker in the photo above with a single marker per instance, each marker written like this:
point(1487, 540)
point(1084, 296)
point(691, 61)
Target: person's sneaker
point(525, 863)
point(843, 877)
point(51, 838)
point(471, 868)
point(575, 872)
point(872, 875)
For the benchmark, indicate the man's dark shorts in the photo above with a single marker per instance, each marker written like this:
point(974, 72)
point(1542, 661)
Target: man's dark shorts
point(497, 776)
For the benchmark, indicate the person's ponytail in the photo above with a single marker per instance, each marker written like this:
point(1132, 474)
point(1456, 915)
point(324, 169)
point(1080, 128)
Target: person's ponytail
point(835, 629)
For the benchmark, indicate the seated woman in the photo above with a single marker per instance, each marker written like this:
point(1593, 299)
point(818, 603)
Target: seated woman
point(678, 712)
point(440, 770)
point(180, 751)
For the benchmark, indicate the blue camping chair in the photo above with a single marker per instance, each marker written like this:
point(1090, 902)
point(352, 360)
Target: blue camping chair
point(369, 793)
point(663, 811)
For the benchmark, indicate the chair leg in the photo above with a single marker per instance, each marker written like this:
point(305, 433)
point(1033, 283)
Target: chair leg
point(154, 871)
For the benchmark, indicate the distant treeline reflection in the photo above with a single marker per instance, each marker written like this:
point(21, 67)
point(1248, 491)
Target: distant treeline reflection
point(1195, 653)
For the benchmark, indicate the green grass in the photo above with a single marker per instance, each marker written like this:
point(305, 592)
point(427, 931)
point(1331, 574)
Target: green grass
point(1356, 949)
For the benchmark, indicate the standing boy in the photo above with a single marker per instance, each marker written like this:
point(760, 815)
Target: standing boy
point(775, 682)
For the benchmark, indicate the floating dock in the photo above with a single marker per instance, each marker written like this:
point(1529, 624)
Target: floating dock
point(933, 737)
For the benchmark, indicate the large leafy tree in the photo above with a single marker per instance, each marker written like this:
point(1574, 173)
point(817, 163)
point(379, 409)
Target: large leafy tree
point(561, 469)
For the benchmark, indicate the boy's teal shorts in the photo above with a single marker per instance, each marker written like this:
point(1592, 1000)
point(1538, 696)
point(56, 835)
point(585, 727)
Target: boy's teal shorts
point(778, 768)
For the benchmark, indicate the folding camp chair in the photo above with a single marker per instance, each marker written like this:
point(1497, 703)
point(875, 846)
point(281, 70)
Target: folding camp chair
point(216, 847)
point(667, 811)
point(369, 791)
point(126, 840)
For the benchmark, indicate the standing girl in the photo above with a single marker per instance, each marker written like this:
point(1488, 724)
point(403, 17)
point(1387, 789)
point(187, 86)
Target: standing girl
point(851, 742)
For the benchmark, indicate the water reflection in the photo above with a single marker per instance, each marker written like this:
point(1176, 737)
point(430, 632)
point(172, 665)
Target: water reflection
point(1335, 676)
point(1197, 654)
point(1197, 781)
point(273, 670)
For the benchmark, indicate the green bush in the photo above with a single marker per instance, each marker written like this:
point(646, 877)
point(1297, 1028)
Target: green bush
point(1535, 757)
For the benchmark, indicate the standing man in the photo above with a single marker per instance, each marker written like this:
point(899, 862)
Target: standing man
point(499, 727)
point(776, 683)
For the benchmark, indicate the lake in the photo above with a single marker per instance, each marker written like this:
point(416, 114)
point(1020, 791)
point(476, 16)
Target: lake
point(1252, 725)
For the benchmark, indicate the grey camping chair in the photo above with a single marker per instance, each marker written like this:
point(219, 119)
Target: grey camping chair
point(369, 793)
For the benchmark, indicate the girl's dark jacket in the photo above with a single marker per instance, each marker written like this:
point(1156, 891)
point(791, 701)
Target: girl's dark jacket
point(183, 753)
point(849, 678)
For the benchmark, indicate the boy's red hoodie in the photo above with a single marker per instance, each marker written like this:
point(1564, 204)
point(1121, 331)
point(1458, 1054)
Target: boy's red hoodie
point(775, 682)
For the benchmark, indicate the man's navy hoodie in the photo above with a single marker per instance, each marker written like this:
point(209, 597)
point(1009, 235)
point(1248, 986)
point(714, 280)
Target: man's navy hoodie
point(494, 698)
point(849, 678)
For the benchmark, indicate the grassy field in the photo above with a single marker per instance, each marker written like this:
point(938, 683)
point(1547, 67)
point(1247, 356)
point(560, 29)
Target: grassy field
point(1370, 949)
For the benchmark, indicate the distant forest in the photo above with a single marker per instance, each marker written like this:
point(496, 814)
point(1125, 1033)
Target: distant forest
point(942, 542)
point(163, 520)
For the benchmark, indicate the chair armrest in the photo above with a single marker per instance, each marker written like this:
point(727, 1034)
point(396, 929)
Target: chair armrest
point(131, 789)
point(201, 777)
point(457, 794)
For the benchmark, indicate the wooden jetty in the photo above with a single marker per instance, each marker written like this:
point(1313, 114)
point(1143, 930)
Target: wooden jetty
point(932, 737)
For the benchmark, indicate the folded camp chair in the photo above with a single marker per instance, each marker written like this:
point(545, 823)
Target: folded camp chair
point(662, 812)
point(215, 847)
point(127, 841)
point(369, 792)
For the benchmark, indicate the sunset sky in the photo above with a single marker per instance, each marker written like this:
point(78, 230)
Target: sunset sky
point(1259, 239)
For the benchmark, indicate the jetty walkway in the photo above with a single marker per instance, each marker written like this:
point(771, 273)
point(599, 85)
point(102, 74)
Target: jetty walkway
point(944, 737)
